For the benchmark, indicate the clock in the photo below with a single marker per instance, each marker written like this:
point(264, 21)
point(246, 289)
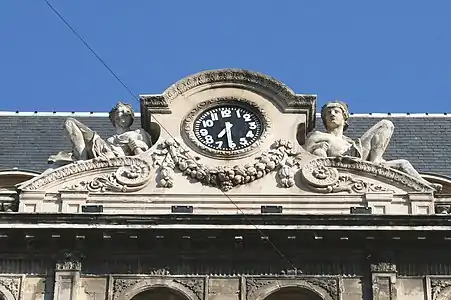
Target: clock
point(228, 127)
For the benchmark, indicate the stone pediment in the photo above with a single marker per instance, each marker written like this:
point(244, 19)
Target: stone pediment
point(223, 142)
point(166, 176)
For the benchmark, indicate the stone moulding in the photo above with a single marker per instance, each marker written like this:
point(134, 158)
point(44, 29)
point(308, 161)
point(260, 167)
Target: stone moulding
point(188, 125)
point(131, 173)
point(288, 101)
point(321, 175)
point(171, 155)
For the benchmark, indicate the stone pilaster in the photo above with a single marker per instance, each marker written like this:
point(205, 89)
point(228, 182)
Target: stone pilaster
point(383, 276)
point(67, 278)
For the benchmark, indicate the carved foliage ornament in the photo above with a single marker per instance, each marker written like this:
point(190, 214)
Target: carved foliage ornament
point(188, 125)
point(330, 285)
point(121, 284)
point(321, 175)
point(196, 285)
point(253, 285)
point(438, 286)
point(132, 174)
point(170, 155)
point(383, 267)
point(11, 284)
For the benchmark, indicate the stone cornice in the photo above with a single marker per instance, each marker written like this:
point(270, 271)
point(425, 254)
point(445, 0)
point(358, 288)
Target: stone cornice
point(396, 222)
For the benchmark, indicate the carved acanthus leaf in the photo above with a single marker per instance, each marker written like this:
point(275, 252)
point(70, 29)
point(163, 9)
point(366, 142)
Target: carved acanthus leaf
point(170, 155)
point(438, 285)
point(120, 284)
point(321, 174)
point(196, 285)
point(12, 284)
point(254, 284)
point(328, 284)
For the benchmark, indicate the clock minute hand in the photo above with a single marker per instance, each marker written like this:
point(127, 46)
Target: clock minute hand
point(229, 135)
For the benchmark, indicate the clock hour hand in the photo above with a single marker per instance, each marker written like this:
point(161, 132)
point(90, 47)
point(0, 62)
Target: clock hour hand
point(221, 134)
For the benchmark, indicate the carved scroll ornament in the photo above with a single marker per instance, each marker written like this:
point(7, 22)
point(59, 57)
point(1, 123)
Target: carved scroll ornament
point(131, 174)
point(321, 175)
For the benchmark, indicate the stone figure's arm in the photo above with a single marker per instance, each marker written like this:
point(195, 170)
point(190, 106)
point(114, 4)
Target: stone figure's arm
point(117, 150)
point(317, 144)
point(138, 146)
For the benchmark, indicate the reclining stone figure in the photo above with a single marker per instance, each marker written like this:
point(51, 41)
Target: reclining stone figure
point(87, 144)
point(370, 146)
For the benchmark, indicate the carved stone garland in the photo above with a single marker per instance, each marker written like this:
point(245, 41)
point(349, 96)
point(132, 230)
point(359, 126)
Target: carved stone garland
point(321, 175)
point(188, 125)
point(170, 155)
point(12, 285)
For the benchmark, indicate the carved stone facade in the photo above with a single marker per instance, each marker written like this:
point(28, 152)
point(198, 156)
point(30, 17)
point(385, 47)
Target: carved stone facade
point(226, 192)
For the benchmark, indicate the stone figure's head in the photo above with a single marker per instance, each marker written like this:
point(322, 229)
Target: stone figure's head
point(335, 114)
point(122, 115)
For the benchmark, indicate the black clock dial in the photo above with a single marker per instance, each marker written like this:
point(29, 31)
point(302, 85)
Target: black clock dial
point(228, 128)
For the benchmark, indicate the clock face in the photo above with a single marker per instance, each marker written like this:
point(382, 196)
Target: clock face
point(228, 127)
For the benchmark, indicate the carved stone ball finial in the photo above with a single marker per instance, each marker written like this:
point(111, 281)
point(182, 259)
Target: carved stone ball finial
point(339, 104)
point(121, 110)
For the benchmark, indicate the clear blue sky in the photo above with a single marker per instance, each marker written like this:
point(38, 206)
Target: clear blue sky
point(379, 56)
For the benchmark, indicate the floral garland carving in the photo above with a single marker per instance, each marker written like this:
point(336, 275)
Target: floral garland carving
point(437, 286)
point(322, 176)
point(196, 285)
point(121, 284)
point(132, 171)
point(170, 155)
point(12, 285)
point(188, 126)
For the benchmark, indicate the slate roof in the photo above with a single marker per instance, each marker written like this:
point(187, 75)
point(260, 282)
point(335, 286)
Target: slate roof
point(28, 140)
